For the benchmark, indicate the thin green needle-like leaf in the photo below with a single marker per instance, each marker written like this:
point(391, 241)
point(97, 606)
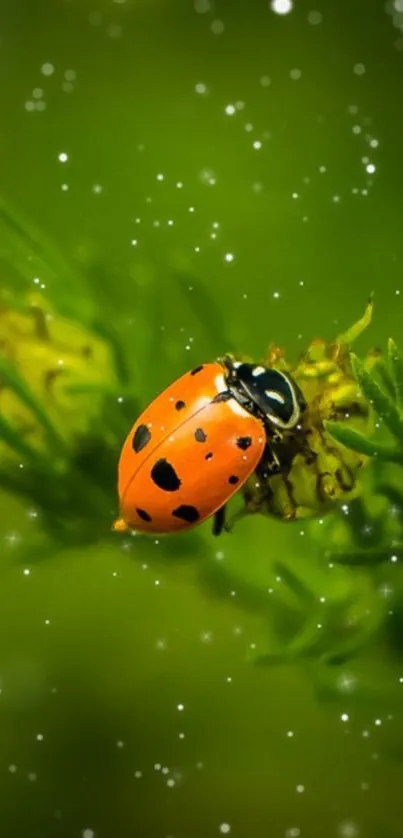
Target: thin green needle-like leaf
point(384, 407)
point(362, 558)
point(362, 444)
point(13, 438)
point(356, 330)
point(396, 369)
point(202, 301)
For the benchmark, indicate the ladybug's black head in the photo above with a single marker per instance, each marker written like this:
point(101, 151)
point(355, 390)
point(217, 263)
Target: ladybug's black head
point(269, 393)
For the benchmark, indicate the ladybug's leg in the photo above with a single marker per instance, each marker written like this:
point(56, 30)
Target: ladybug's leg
point(219, 521)
point(269, 464)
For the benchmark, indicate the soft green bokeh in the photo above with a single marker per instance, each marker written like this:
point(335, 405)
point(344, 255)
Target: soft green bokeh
point(95, 656)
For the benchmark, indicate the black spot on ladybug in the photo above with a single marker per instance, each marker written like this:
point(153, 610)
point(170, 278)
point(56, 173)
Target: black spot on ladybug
point(186, 513)
point(209, 455)
point(179, 404)
point(233, 479)
point(143, 515)
point(244, 442)
point(200, 436)
point(196, 370)
point(141, 437)
point(165, 476)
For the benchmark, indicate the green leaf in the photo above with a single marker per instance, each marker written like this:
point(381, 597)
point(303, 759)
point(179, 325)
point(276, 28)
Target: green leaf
point(384, 407)
point(363, 444)
point(12, 437)
point(362, 558)
point(202, 301)
point(396, 369)
point(351, 335)
point(30, 252)
point(12, 379)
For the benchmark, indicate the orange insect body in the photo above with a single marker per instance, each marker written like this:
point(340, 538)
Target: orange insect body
point(187, 454)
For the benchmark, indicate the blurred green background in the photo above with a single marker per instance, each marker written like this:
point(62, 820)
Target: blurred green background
point(150, 139)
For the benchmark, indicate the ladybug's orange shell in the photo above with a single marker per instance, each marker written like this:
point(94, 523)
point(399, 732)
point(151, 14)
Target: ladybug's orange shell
point(187, 455)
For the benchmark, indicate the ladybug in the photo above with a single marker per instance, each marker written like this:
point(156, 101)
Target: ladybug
point(198, 442)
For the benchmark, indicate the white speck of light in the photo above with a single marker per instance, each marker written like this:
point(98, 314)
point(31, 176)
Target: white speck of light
point(300, 789)
point(138, 774)
point(229, 257)
point(88, 833)
point(230, 110)
point(217, 27)
point(315, 18)
point(394, 558)
point(180, 707)
point(133, 242)
point(97, 188)
point(290, 734)
point(276, 295)
point(160, 176)
point(47, 69)
point(348, 829)
point(201, 88)
point(115, 30)
point(378, 722)
point(344, 717)
point(370, 168)
point(281, 7)
point(63, 157)
point(257, 145)
point(202, 6)
point(225, 828)
point(26, 571)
